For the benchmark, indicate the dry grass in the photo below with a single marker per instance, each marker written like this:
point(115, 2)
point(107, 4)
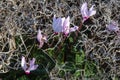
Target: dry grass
point(20, 20)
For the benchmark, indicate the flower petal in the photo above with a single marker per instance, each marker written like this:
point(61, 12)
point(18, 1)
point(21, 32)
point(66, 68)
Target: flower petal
point(32, 65)
point(41, 38)
point(67, 21)
point(73, 28)
point(66, 25)
point(54, 23)
point(57, 24)
point(39, 35)
point(92, 11)
point(23, 63)
point(32, 62)
point(84, 10)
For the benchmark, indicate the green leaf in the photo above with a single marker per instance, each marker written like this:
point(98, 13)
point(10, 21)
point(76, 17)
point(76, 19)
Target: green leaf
point(23, 78)
point(50, 51)
point(77, 73)
point(69, 66)
point(61, 73)
point(80, 58)
point(70, 39)
point(90, 69)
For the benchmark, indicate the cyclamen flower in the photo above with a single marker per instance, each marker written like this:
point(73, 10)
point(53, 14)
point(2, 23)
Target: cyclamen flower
point(113, 26)
point(63, 25)
point(87, 13)
point(41, 38)
point(27, 67)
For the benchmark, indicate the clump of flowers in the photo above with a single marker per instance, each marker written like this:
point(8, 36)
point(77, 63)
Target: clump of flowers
point(30, 66)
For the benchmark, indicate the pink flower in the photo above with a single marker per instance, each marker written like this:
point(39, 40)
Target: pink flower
point(41, 38)
point(113, 26)
point(63, 25)
point(87, 13)
point(28, 67)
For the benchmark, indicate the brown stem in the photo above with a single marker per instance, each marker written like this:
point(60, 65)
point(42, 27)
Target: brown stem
point(80, 27)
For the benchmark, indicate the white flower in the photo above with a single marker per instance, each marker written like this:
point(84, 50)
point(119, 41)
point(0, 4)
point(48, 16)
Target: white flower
point(63, 25)
point(31, 64)
point(87, 13)
point(113, 26)
point(41, 38)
